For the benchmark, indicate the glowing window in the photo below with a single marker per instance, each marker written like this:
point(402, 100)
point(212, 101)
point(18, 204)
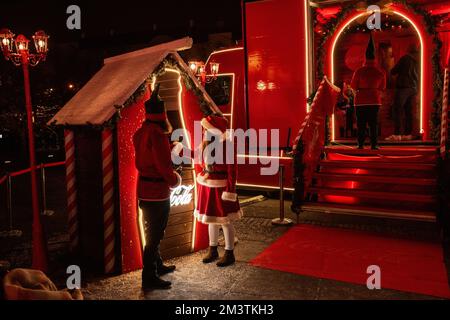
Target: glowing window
point(219, 90)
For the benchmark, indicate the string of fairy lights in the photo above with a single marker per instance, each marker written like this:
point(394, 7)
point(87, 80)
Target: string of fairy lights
point(387, 25)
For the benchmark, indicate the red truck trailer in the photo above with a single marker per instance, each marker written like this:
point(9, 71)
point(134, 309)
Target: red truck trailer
point(265, 82)
point(288, 47)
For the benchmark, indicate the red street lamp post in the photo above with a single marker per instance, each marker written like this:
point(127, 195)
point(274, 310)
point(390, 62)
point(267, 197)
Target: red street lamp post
point(16, 50)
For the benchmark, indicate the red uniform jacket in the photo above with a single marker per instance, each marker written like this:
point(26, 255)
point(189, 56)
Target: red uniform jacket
point(154, 163)
point(369, 83)
point(220, 175)
point(217, 175)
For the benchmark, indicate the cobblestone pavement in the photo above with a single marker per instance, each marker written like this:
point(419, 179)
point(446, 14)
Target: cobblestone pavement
point(196, 281)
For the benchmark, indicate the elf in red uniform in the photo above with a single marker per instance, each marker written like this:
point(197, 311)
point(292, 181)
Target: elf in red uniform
point(369, 82)
point(218, 205)
point(156, 178)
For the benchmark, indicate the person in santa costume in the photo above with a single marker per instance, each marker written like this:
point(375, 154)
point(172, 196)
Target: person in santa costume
point(218, 204)
point(156, 178)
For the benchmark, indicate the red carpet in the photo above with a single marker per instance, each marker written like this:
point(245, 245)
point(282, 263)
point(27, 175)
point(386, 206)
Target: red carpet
point(344, 255)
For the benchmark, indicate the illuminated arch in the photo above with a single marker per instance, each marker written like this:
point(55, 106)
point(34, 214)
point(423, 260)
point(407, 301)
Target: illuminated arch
point(395, 11)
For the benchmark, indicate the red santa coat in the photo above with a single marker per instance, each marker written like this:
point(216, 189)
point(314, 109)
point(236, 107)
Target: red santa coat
point(369, 83)
point(217, 201)
point(154, 163)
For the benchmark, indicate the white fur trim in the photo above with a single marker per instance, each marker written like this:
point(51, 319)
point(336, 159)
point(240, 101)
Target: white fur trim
point(204, 181)
point(207, 125)
point(226, 136)
point(203, 218)
point(176, 150)
point(215, 131)
point(179, 180)
point(229, 196)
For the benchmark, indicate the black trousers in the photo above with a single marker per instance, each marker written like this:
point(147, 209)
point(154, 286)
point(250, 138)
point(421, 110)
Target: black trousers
point(367, 115)
point(349, 122)
point(155, 217)
point(404, 102)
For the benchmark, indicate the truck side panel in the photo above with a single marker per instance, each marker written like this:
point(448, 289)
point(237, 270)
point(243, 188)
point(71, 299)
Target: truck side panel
point(277, 73)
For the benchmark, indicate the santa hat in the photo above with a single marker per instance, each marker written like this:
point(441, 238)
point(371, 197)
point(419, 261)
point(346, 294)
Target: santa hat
point(215, 122)
point(154, 107)
point(370, 52)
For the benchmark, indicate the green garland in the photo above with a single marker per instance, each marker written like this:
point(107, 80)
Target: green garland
point(430, 24)
point(172, 63)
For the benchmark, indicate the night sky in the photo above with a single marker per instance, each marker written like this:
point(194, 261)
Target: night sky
point(133, 18)
point(108, 28)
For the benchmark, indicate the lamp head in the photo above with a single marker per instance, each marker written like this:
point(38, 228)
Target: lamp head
point(41, 42)
point(22, 43)
point(214, 68)
point(6, 41)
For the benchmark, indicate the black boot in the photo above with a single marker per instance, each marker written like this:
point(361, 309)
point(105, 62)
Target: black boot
point(227, 259)
point(150, 280)
point(212, 255)
point(162, 269)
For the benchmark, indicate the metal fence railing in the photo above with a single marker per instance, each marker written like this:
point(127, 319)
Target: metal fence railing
point(7, 180)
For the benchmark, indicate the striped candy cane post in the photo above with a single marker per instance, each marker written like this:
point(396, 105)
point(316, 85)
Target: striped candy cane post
point(108, 200)
point(308, 116)
point(71, 189)
point(444, 120)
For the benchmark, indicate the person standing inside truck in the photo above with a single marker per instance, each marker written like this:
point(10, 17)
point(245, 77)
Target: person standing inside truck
point(156, 178)
point(406, 71)
point(369, 83)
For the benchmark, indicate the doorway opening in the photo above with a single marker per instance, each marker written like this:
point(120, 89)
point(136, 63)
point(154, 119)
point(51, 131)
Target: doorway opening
point(398, 34)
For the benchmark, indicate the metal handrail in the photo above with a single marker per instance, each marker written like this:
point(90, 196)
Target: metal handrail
point(7, 178)
point(24, 171)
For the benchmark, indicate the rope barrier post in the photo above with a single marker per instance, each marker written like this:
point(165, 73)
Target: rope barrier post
point(281, 221)
point(45, 211)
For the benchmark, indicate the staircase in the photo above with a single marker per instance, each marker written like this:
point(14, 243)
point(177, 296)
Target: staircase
point(393, 182)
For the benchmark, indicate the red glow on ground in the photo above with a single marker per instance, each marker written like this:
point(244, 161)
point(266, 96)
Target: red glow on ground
point(340, 199)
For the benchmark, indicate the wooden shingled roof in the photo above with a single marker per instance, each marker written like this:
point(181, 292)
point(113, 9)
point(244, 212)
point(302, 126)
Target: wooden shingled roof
point(117, 81)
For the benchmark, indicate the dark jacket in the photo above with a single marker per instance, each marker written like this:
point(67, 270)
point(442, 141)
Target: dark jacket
point(154, 163)
point(407, 71)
